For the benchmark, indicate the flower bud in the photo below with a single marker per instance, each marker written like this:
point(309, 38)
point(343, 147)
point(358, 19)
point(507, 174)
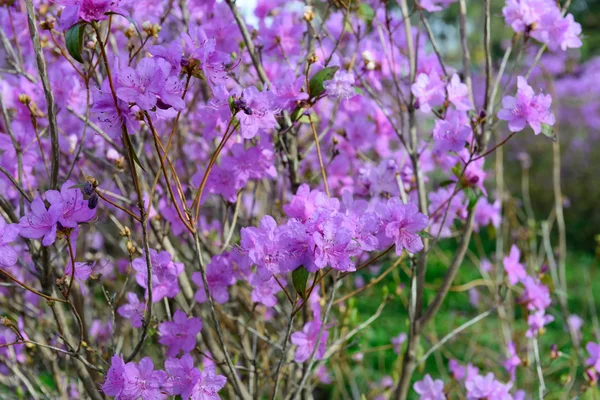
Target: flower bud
point(130, 247)
point(130, 32)
point(93, 201)
point(368, 60)
point(24, 99)
point(309, 13)
point(554, 353)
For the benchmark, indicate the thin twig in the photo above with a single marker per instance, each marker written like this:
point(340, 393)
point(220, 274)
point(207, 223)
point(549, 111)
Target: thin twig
point(41, 64)
point(454, 333)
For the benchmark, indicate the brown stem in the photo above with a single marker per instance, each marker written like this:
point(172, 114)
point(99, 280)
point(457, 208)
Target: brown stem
point(32, 290)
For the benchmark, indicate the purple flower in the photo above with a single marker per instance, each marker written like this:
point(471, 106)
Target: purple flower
point(8, 234)
point(487, 213)
point(263, 247)
point(133, 310)
point(515, 270)
point(208, 385)
point(429, 90)
point(75, 209)
point(253, 163)
point(451, 134)
point(198, 46)
point(179, 334)
point(83, 270)
point(182, 376)
point(164, 274)
point(222, 180)
point(558, 32)
point(536, 322)
point(143, 381)
point(435, 5)
point(283, 38)
point(402, 222)
point(458, 371)
point(341, 86)
point(264, 291)
point(115, 379)
point(333, 247)
point(485, 387)
point(143, 84)
point(107, 115)
point(170, 53)
point(322, 374)
point(521, 14)
point(306, 340)
point(219, 275)
point(304, 203)
point(429, 389)
point(258, 113)
point(486, 265)
point(526, 108)
point(512, 361)
point(397, 342)
point(536, 294)
point(575, 323)
point(288, 90)
point(41, 222)
point(87, 10)
point(458, 94)
point(594, 360)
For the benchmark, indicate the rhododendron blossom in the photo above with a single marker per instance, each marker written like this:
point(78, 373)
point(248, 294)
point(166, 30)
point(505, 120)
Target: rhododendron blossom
point(298, 199)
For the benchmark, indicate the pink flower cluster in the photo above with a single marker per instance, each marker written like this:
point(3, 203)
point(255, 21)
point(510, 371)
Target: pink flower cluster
point(546, 22)
point(133, 381)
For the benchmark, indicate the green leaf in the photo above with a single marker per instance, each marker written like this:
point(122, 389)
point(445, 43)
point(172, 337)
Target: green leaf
point(591, 394)
point(548, 131)
point(305, 119)
point(365, 12)
point(425, 235)
point(447, 183)
point(359, 91)
point(78, 186)
point(74, 41)
point(457, 170)
point(299, 278)
point(296, 114)
point(315, 85)
point(473, 197)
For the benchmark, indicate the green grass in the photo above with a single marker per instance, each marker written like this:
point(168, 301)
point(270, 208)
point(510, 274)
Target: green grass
point(480, 344)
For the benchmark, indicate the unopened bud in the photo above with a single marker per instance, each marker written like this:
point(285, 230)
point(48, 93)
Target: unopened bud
point(126, 232)
point(130, 247)
point(309, 14)
point(147, 26)
point(24, 99)
point(368, 60)
point(312, 58)
point(130, 32)
point(90, 44)
point(554, 353)
point(156, 28)
point(592, 376)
